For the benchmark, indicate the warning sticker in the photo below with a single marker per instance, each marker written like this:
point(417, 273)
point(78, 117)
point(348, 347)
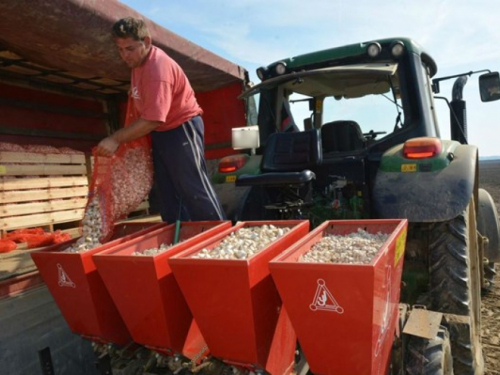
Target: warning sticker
point(64, 279)
point(387, 314)
point(400, 247)
point(3, 170)
point(408, 167)
point(324, 300)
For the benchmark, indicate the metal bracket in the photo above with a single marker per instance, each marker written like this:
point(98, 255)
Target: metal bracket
point(46, 361)
point(423, 323)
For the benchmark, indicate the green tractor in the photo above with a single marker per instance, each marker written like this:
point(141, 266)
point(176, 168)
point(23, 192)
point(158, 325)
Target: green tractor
point(369, 146)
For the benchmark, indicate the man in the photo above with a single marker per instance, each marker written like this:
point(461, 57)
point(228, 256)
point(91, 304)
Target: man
point(168, 110)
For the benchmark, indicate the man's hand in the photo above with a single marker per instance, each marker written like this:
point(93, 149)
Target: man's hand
point(138, 128)
point(107, 147)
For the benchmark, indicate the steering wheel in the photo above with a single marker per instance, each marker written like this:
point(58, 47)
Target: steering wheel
point(371, 135)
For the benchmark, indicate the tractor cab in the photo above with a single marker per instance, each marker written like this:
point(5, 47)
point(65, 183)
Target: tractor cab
point(334, 113)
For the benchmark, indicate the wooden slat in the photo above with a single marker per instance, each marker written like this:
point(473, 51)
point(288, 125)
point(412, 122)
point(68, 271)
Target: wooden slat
point(32, 157)
point(17, 196)
point(142, 219)
point(144, 205)
point(37, 207)
point(19, 262)
point(28, 221)
point(41, 182)
point(42, 170)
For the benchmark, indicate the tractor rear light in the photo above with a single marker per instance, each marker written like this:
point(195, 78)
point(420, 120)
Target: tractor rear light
point(374, 49)
point(422, 148)
point(261, 73)
point(280, 68)
point(232, 163)
point(397, 48)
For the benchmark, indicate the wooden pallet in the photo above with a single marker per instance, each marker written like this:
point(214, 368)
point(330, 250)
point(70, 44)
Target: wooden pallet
point(38, 190)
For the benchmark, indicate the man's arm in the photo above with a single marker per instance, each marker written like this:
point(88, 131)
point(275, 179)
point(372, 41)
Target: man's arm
point(138, 128)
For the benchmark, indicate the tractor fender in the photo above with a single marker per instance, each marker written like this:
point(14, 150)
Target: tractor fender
point(432, 196)
point(487, 225)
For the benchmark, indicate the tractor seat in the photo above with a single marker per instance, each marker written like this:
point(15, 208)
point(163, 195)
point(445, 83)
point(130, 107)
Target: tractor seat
point(342, 136)
point(287, 159)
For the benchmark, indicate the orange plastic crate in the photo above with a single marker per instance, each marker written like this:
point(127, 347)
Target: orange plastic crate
point(78, 290)
point(344, 315)
point(236, 304)
point(146, 292)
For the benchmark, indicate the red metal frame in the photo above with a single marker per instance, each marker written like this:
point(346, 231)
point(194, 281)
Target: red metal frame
point(344, 314)
point(236, 304)
point(19, 284)
point(146, 293)
point(78, 290)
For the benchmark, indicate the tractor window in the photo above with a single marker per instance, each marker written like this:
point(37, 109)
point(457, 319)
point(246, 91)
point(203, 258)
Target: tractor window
point(366, 94)
point(377, 115)
point(429, 99)
point(252, 104)
point(373, 113)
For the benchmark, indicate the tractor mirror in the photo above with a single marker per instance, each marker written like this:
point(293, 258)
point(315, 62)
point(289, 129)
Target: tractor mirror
point(489, 86)
point(245, 138)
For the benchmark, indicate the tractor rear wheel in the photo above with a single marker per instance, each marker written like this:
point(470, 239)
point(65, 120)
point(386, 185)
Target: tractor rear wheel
point(430, 357)
point(455, 287)
point(488, 227)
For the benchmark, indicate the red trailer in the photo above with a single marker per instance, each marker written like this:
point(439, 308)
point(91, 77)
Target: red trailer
point(62, 84)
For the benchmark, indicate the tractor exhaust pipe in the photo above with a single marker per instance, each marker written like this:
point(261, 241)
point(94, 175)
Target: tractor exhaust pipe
point(458, 112)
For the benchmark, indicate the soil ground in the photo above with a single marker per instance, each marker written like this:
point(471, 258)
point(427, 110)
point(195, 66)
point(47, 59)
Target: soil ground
point(489, 179)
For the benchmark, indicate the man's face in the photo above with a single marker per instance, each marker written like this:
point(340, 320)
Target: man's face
point(133, 52)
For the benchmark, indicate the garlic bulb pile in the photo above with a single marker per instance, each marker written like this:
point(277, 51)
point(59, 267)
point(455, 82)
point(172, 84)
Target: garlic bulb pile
point(91, 229)
point(41, 149)
point(12, 147)
point(131, 177)
point(244, 242)
point(153, 251)
point(356, 248)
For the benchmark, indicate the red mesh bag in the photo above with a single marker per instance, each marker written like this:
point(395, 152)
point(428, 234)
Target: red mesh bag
point(7, 245)
point(121, 182)
point(61, 236)
point(22, 235)
point(39, 240)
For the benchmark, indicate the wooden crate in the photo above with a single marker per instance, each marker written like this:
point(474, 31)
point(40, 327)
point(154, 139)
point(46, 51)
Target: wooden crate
point(41, 189)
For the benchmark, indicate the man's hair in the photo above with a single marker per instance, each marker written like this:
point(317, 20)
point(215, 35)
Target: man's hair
point(130, 28)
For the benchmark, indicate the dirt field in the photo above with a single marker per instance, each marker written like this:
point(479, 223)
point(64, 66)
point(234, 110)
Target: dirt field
point(490, 180)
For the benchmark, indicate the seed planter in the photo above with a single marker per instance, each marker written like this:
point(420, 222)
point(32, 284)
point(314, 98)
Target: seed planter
point(78, 290)
point(146, 292)
point(344, 314)
point(236, 304)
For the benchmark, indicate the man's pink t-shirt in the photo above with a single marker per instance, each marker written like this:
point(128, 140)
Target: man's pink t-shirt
point(162, 92)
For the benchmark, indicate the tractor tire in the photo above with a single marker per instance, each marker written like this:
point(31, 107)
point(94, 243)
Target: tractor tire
point(430, 357)
point(488, 227)
point(455, 287)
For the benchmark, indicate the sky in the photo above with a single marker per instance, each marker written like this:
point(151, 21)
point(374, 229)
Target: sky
point(462, 36)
